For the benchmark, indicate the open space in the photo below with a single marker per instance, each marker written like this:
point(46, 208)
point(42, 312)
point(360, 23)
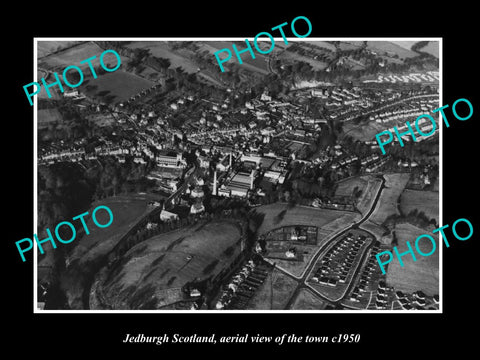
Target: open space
point(426, 201)
point(414, 275)
point(127, 211)
point(274, 293)
point(307, 300)
point(389, 199)
point(116, 86)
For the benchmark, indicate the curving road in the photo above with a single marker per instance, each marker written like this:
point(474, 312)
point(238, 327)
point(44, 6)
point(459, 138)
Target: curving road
point(330, 243)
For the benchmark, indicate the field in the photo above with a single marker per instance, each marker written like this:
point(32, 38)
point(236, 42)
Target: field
point(47, 116)
point(322, 44)
point(432, 48)
point(388, 203)
point(117, 85)
point(161, 49)
point(45, 48)
point(369, 193)
point(126, 209)
point(414, 275)
point(306, 300)
point(259, 64)
point(274, 293)
point(71, 56)
point(289, 57)
point(390, 49)
point(405, 44)
point(346, 187)
point(426, 201)
point(153, 272)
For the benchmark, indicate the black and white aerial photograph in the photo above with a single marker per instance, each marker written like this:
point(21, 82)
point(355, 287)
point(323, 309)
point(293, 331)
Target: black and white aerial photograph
point(289, 181)
point(203, 180)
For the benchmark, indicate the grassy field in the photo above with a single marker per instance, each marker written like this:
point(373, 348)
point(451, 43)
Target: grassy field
point(405, 44)
point(346, 187)
point(126, 209)
point(119, 85)
point(47, 116)
point(289, 56)
point(307, 300)
point(322, 44)
point(259, 64)
point(156, 269)
point(278, 284)
point(388, 203)
point(161, 49)
point(414, 275)
point(391, 49)
point(71, 56)
point(432, 48)
point(45, 48)
point(369, 193)
point(426, 201)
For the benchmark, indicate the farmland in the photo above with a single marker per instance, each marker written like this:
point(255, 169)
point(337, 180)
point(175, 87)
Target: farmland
point(274, 293)
point(368, 193)
point(161, 49)
point(71, 56)
point(390, 49)
point(306, 300)
point(45, 48)
point(48, 116)
point(259, 64)
point(426, 201)
point(414, 275)
point(116, 86)
point(431, 48)
point(127, 210)
point(388, 203)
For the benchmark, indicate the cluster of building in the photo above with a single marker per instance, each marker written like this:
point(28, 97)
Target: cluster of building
point(242, 286)
point(339, 260)
point(366, 276)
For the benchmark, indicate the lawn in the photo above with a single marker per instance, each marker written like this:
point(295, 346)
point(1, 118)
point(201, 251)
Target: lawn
point(72, 56)
point(426, 201)
point(390, 49)
point(389, 199)
point(431, 48)
point(365, 201)
point(161, 49)
point(47, 116)
point(346, 187)
point(117, 85)
point(45, 48)
point(127, 211)
point(422, 274)
point(259, 64)
point(307, 300)
point(279, 285)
